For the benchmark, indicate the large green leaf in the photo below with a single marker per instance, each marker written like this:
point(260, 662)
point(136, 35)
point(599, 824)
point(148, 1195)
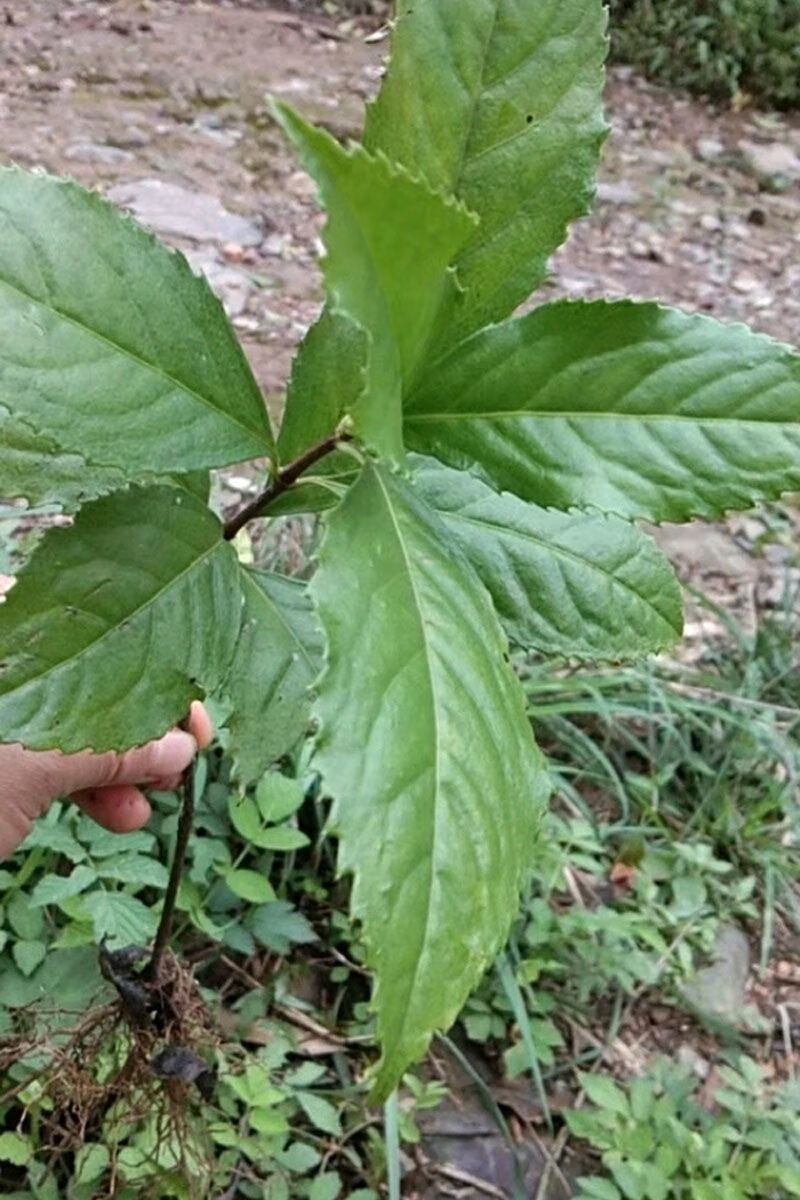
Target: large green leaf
point(117, 623)
point(389, 241)
point(278, 656)
point(497, 102)
point(109, 346)
point(427, 751)
point(632, 408)
point(580, 584)
point(328, 377)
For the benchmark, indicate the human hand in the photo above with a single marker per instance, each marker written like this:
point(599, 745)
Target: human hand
point(104, 785)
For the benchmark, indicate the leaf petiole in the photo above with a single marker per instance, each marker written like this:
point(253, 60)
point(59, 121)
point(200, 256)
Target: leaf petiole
point(287, 476)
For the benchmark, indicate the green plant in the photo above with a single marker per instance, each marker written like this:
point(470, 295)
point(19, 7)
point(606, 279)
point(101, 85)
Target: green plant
point(660, 1142)
point(720, 47)
point(278, 1120)
point(678, 783)
point(701, 764)
point(538, 441)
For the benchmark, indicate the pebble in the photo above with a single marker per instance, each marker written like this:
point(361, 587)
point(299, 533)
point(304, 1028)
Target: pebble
point(745, 283)
point(132, 138)
point(617, 193)
point(709, 149)
point(232, 252)
point(718, 991)
point(689, 1058)
point(175, 211)
point(96, 152)
point(231, 285)
point(771, 160)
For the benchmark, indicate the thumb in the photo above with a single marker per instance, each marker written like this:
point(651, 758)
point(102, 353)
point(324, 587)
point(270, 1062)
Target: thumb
point(167, 757)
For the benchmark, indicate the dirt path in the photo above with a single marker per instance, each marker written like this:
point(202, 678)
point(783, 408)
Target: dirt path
point(122, 92)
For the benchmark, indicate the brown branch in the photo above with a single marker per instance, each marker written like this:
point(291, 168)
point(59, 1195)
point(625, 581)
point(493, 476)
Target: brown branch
point(282, 482)
point(185, 823)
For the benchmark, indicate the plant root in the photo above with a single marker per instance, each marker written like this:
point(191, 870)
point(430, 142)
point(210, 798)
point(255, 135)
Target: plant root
point(145, 1056)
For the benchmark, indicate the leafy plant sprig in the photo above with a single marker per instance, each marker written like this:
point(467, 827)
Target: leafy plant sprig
point(659, 1141)
point(538, 441)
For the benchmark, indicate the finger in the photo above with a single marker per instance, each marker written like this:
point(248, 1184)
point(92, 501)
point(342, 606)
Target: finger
point(200, 725)
point(122, 809)
point(169, 755)
point(15, 825)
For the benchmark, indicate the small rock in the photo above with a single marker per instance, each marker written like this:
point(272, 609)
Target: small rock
point(212, 97)
point(780, 591)
point(652, 250)
point(745, 284)
point(172, 210)
point(617, 193)
point(683, 208)
point(749, 527)
point(279, 245)
point(247, 324)
point(689, 1058)
point(655, 157)
point(575, 285)
point(740, 229)
point(709, 149)
point(240, 483)
point(232, 252)
point(210, 126)
point(44, 85)
point(178, 108)
point(748, 286)
point(771, 161)
point(233, 287)
point(301, 185)
point(96, 152)
point(131, 138)
point(718, 991)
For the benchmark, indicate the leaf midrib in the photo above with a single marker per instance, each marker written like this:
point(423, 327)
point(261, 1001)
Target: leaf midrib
point(129, 617)
point(126, 352)
point(580, 415)
point(409, 990)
